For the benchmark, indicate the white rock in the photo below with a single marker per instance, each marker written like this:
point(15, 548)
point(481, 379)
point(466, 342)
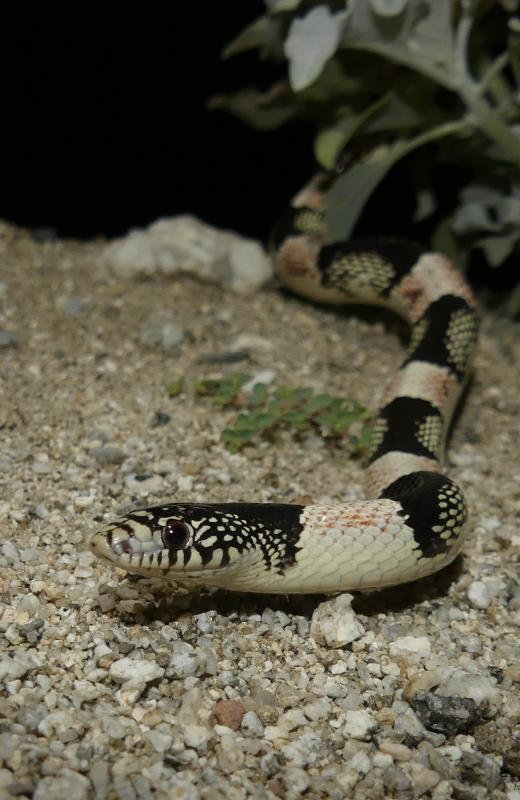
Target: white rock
point(196, 736)
point(382, 760)
point(129, 694)
point(274, 732)
point(57, 722)
point(184, 664)
point(480, 689)
point(294, 718)
point(360, 762)
point(229, 754)
point(410, 647)
point(251, 341)
point(481, 593)
point(399, 752)
point(334, 624)
point(6, 777)
point(359, 724)
point(161, 742)
point(296, 781)
point(192, 705)
point(252, 724)
point(16, 666)
point(424, 780)
point(250, 267)
point(67, 785)
point(303, 752)
point(11, 553)
point(135, 671)
point(265, 376)
point(184, 244)
point(318, 709)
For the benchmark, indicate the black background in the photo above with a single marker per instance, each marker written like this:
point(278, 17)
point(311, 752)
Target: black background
point(104, 124)
point(104, 127)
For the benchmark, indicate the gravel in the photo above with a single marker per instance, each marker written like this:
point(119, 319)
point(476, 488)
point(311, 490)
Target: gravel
point(113, 686)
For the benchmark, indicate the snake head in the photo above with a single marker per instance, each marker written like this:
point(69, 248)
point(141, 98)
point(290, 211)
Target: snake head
point(194, 543)
point(157, 540)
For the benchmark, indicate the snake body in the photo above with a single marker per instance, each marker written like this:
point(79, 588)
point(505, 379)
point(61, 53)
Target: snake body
point(414, 524)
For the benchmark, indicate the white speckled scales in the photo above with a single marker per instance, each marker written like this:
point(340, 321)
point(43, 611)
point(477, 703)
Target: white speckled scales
point(360, 545)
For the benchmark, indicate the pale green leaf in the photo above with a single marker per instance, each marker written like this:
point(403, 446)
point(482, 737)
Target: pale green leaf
point(351, 190)
point(349, 193)
point(444, 241)
point(509, 210)
point(278, 6)
point(264, 33)
point(421, 37)
point(255, 108)
point(498, 248)
point(388, 8)
point(331, 141)
point(471, 218)
point(311, 41)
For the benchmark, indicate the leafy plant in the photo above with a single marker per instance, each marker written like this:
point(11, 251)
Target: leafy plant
point(266, 410)
point(174, 388)
point(382, 78)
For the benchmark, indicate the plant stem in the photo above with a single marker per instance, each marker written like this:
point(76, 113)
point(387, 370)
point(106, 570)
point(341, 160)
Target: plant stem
point(491, 123)
point(470, 92)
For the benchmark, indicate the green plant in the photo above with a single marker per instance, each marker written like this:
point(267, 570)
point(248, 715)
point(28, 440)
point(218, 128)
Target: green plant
point(175, 387)
point(266, 410)
point(382, 78)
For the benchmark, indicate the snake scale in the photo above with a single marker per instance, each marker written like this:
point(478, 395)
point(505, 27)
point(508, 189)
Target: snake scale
point(414, 524)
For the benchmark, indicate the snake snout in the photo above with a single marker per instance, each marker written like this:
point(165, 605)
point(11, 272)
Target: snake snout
point(110, 543)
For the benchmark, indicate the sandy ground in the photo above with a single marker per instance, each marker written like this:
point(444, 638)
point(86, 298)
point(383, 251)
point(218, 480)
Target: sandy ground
point(114, 687)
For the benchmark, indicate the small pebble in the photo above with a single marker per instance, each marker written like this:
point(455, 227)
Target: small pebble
point(335, 624)
point(109, 455)
point(8, 339)
point(229, 713)
point(196, 736)
point(410, 647)
point(134, 671)
point(252, 724)
point(359, 724)
point(480, 594)
point(448, 715)
point(69, 784)
point(161, 742)
point(398, 751)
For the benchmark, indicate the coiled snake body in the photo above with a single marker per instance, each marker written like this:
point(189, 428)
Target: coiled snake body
point(414, 526)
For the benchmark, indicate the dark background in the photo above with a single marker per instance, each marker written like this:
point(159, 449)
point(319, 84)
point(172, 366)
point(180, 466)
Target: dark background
point(104, 127)
point(104, 124)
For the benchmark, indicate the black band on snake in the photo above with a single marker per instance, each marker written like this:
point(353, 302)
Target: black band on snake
point(414, 524)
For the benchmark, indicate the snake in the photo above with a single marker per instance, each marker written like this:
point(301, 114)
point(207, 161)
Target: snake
point(413, 522)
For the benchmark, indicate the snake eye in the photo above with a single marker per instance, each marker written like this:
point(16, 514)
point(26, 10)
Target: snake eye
point(175, 534)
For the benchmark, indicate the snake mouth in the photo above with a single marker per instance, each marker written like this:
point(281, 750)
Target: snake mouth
point(114, 544)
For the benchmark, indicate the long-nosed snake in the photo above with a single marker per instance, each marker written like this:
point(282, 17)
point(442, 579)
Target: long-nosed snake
point(414, 526)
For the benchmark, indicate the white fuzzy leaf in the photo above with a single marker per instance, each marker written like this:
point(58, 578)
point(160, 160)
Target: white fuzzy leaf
point(421, 36)
point(388, 8)
point(312, 40)
point(472, 218)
